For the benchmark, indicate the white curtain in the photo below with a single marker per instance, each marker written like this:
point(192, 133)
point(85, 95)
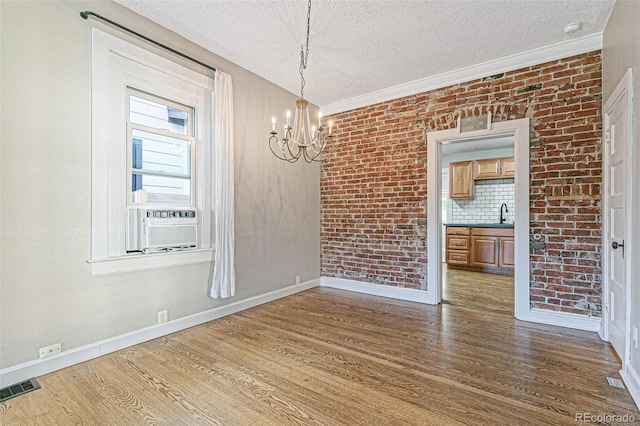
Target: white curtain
point(224, 276)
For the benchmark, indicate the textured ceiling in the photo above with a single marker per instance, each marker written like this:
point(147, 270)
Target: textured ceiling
point(362, 46)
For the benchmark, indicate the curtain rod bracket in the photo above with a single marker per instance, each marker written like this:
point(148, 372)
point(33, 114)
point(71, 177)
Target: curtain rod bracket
point(86, 14)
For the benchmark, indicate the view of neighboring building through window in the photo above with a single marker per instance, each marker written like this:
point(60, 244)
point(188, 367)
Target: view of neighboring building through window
point(162, 149)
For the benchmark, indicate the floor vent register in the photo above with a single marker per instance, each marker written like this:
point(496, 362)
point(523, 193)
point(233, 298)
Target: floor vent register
point(616, 383)
point(18, 389)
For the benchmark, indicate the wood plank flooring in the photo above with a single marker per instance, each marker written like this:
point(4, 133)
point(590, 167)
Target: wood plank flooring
point(491, 292)
point(331, 357)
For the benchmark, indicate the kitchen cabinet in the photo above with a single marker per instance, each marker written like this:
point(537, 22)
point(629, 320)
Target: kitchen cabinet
point(507, 252)
point(494, 168)
point(492, 247)
point(486, 249)
point(461, 180)
point(458, 245)
point(507, 167)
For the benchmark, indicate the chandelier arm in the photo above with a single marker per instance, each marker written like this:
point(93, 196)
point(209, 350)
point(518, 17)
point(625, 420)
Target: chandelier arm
point(323, 152)
point(308, 158)
point(271, 140)
point(283, 154)
point(296, 156)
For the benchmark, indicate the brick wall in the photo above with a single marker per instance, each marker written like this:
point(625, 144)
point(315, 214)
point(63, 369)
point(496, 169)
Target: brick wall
point(374, 191)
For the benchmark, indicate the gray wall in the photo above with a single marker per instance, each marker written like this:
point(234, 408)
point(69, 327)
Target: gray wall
point(47, 294)
point(622, 51)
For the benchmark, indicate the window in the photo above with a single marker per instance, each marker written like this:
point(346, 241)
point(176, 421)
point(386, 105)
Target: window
point(151, 150)
point(162, 152)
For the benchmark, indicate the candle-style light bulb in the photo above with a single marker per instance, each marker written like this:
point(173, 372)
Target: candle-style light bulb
point(313, 131)
point(288, 118)
point(319, 119)
point(330, 125)
point(273, 124)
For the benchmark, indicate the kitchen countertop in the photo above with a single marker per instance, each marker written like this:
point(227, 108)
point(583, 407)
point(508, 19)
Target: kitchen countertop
point(480, 225)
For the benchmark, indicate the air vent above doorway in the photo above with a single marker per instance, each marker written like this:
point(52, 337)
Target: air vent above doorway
point(471, 124)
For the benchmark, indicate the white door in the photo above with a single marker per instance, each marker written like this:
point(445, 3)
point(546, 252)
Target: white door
point(616, 134)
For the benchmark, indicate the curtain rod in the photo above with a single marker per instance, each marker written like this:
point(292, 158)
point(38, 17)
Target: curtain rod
point(86, 14)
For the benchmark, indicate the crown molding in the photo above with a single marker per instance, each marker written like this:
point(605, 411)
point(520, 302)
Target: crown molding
point(508, 63)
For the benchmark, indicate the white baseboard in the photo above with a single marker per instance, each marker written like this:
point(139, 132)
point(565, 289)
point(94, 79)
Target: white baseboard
point(21, 372)
point(631, 380)
point(602, 330)
point(562, 319)
point(408, 294)
point(18, 373)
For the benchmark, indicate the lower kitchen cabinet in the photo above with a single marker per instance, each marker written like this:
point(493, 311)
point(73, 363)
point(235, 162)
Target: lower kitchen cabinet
point(492, 247)
point(482, 249)
point(485, 251)
point(507, 254)
point(458, 246)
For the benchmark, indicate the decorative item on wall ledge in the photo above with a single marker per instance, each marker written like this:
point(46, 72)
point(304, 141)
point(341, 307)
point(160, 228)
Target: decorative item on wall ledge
point(302, 140)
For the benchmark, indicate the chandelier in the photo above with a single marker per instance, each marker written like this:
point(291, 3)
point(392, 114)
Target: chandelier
point(301, 140)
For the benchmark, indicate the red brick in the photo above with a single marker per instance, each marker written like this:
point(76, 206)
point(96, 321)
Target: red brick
point(374, 194)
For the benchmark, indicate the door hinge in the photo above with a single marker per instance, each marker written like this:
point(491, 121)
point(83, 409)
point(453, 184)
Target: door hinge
point(607, 135)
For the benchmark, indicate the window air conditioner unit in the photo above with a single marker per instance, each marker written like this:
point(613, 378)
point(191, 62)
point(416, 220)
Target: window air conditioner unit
point(152, 230)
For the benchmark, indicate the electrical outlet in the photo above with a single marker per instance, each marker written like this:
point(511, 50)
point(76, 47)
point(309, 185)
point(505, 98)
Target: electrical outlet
point(297, 279)
point(50, 350)
point(163, 316)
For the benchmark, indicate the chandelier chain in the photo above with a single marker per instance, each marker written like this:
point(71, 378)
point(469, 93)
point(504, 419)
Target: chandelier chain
point(304, 56)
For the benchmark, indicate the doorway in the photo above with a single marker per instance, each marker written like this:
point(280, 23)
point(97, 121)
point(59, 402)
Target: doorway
point(477, 220)
point(519, 131)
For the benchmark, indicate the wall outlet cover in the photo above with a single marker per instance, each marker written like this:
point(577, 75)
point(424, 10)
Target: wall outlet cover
point(56, 348)
point(163, 316)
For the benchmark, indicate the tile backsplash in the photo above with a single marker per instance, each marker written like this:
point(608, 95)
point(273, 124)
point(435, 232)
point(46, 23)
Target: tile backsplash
point(485, 207)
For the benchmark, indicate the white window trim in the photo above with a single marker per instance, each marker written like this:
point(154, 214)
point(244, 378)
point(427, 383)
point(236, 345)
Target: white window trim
point(116, 65)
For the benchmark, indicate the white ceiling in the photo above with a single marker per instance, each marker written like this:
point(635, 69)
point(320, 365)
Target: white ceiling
point(362, 46)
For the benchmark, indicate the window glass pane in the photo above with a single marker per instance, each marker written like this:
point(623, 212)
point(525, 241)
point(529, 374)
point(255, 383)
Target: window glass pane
point(160, 153)
point(154, 114)
point(164, 190)
point(160, 168)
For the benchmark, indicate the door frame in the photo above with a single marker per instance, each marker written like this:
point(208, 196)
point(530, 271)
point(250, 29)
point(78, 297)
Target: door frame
point(520, 130)
point(624, 88)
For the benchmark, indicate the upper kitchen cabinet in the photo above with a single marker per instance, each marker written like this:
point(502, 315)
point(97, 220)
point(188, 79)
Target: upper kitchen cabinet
point(494, 168)
point(461, 179)
point(507, 167)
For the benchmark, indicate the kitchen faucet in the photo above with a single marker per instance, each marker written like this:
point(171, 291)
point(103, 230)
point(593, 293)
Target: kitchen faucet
point(503, 218)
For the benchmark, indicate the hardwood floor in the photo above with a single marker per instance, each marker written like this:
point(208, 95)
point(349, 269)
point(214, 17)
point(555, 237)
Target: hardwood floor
point(491, 292)
point(333, 357)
